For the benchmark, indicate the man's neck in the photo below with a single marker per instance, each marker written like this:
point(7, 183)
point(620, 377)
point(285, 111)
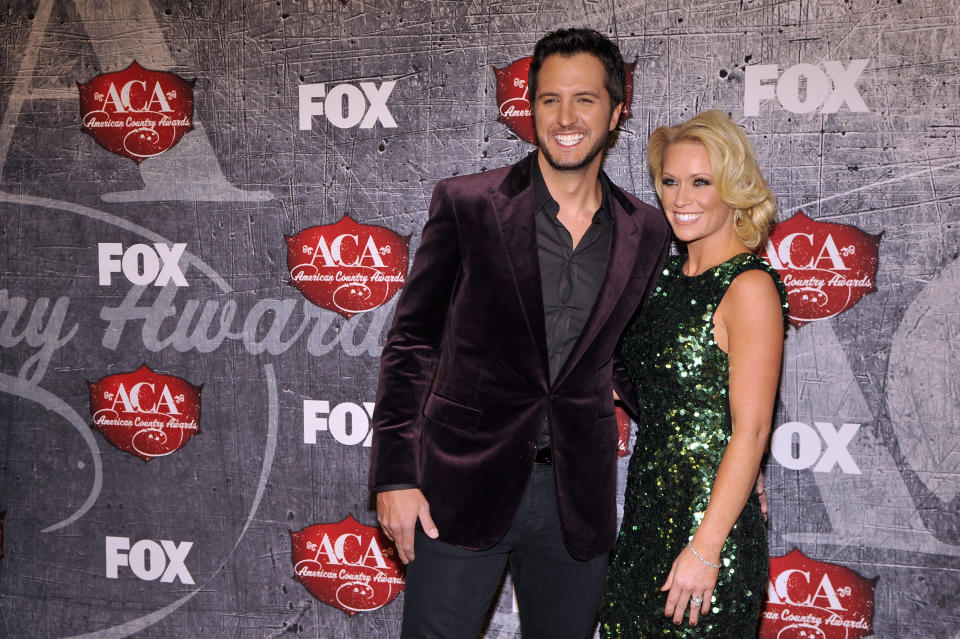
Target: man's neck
point(578, 192)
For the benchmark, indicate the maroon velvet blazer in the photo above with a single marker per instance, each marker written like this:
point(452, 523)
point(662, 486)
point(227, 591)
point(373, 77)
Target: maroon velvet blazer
point(464, 383)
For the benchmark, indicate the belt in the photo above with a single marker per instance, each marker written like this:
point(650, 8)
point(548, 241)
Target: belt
point(544, 456)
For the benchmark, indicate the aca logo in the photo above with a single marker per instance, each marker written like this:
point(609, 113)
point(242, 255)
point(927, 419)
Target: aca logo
point(141, 264)
point(346, 106)
point(144, 413)
point(826, 267)
point(137, 113)
point(347, 267)
point(804, 88)
point(347, 565)
point(149, 560)
point(347, 423)
point(798, 446)
point(808, 599)
point(514, 100)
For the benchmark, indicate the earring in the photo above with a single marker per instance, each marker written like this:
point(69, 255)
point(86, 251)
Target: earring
point(737, 219)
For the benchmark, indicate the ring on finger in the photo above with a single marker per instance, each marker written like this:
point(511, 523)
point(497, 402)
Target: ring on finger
point(696, 601)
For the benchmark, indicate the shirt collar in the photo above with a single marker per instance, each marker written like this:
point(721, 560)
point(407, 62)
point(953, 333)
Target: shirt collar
point(543, 201)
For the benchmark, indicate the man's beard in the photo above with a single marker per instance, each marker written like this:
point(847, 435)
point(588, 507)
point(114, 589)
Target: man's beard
point(574, 165)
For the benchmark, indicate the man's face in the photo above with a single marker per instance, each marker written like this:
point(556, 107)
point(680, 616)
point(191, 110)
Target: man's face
point(572, 111)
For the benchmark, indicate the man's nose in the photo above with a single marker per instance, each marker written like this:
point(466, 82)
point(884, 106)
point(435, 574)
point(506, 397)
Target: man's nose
point(566, 115)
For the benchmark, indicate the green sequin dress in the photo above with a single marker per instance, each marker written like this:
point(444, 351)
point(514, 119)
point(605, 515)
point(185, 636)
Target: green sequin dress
point(681, 377)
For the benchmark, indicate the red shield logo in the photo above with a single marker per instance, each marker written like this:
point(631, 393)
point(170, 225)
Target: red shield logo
point(347, 267)
point(623, 426)
point(808, 599)
point(145, 413)
point(137, 113)
point(826, 267)
point(347, 565)
point(514, 102)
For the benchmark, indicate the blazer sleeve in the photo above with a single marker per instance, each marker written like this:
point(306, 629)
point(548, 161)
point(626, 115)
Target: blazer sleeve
point(621, 381)
point(410, 355)
point(623, 386)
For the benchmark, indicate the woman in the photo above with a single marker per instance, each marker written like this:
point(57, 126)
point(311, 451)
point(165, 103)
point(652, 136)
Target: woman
point(704, 354)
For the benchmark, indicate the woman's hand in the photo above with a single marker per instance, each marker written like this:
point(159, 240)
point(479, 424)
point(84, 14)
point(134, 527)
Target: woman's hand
point(690, 581)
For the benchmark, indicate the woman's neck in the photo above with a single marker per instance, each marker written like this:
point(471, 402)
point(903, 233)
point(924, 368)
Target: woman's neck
point(703, 254)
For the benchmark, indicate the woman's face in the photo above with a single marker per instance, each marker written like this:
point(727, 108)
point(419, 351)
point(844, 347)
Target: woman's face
point(689, 196)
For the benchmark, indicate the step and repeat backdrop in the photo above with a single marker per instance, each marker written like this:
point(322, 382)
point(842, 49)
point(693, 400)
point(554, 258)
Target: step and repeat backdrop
point(207, 210)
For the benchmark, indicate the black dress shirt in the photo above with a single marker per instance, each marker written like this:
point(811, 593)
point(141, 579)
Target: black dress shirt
point(570, 276)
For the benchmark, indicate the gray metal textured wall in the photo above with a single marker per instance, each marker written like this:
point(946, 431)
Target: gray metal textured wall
point(866, 477)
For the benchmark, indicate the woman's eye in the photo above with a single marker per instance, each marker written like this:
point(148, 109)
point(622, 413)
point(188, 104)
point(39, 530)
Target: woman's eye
point(668, 181)
point(701, 182)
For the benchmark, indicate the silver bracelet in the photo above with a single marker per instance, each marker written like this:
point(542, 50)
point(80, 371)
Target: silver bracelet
point(701, 557)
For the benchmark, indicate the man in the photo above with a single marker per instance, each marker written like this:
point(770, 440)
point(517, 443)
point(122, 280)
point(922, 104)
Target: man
point(495, 436)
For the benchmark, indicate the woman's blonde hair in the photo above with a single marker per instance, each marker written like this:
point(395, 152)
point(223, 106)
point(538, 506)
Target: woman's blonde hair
point(735, 172)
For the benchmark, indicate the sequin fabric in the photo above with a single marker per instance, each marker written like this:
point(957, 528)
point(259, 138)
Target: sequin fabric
point(681, 377)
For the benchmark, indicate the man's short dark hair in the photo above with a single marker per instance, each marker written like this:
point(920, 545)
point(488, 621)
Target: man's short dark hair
point(570, 42)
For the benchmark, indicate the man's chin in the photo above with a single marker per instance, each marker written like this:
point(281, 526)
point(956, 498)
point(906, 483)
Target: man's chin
point(569, 163)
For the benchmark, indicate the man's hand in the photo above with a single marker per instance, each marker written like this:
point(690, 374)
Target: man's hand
point(762, 495)
point(398, 511)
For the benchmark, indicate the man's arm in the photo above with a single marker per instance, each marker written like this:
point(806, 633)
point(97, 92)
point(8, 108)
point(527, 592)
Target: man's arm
point(623, 388)
point(406, 372)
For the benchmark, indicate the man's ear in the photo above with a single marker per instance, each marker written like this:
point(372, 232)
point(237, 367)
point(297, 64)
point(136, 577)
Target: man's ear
point(615, 116)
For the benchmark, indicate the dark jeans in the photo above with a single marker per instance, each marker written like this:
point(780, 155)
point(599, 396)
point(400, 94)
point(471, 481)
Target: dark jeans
point(449, 590)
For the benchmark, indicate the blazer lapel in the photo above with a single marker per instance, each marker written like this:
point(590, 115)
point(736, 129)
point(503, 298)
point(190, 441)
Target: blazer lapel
point(627, 231)
point(513, 205)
